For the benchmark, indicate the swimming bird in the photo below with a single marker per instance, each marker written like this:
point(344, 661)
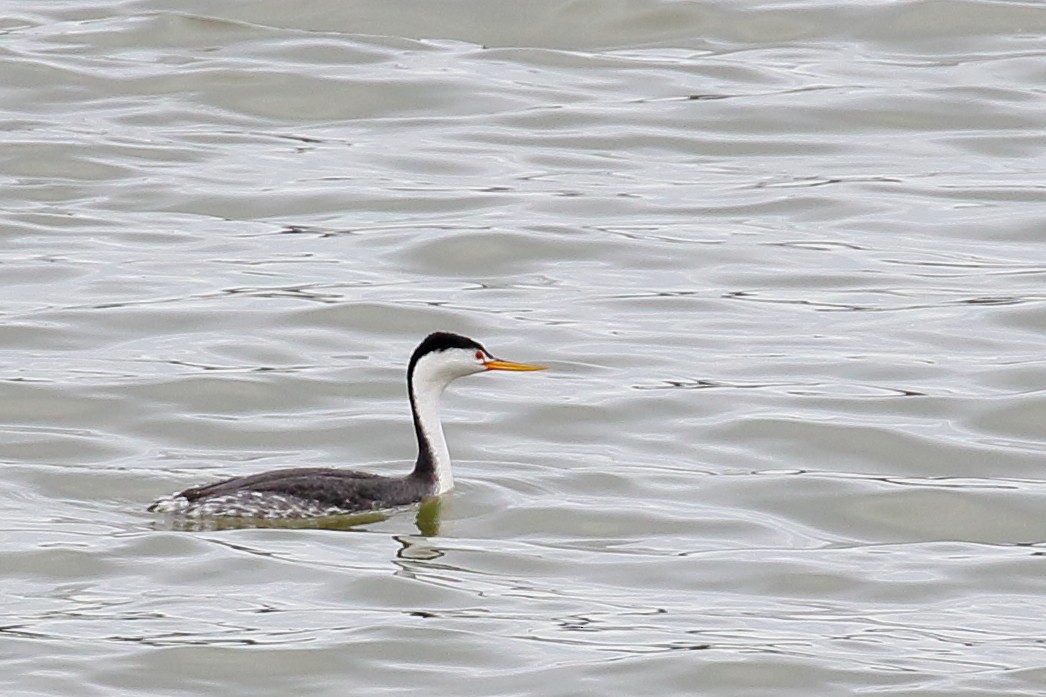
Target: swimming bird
point(306, 492)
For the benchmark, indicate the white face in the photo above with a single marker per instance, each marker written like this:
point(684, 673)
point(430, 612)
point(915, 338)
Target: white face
point(439, 368)
point(462, 362)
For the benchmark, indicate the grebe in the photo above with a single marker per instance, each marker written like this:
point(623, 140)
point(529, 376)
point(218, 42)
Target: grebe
point(307, 492)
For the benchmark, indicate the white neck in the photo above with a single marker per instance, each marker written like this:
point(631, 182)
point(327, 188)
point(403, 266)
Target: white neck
point(427, 388)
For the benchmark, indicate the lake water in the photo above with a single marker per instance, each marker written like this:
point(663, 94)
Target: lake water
point(786, 260)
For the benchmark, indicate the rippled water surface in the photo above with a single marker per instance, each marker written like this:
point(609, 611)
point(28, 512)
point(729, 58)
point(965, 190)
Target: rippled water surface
point(785, 259)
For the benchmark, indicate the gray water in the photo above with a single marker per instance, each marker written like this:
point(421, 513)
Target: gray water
point(786, 261)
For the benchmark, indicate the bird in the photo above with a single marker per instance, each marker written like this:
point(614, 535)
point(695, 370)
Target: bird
point(312, 492)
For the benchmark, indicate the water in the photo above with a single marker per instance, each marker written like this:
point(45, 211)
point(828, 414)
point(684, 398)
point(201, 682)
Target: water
point(785, 259)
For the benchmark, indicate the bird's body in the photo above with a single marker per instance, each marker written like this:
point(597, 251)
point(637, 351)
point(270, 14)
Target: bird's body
point(308, 492)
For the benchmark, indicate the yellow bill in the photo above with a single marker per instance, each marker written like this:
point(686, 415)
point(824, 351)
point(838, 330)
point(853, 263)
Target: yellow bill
point(509, 365)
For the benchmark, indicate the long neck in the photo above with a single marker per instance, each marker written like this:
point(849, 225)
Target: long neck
point(433, 463)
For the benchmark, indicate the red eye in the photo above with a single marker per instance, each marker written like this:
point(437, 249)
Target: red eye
point(479, 356)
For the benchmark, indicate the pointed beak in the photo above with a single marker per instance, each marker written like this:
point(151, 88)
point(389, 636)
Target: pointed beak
point(509, 365)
